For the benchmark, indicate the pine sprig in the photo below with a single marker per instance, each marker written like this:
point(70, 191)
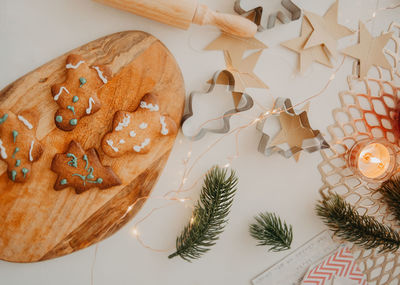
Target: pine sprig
point(390, 191)
point(209, 215)
point(270, 230)
point(349, 225)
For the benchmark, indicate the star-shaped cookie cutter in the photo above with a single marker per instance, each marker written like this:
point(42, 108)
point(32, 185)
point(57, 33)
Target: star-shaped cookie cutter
point(246, 103)
point(261, 18)
point(310, 144)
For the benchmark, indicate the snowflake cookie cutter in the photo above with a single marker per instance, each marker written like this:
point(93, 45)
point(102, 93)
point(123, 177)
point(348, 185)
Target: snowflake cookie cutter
point(314, 141)
point(260, 17)
point(245, 102)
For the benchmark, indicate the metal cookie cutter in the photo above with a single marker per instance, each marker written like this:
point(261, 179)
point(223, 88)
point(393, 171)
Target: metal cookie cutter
point(261, 18)
point(310, 144)
point(245, 103)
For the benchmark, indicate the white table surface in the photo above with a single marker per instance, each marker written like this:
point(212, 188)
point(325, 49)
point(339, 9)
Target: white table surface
point(33, 32)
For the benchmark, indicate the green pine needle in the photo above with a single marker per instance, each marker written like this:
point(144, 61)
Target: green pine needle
point(349, 225)
point(209, 215)
point(390, 191)
point(269, 230)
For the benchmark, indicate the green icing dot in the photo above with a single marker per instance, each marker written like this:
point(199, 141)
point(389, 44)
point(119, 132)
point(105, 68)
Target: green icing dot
point(4, 118)
point(18, 163)
point(75, 99)
point(82, 80)
point(13, 175)
point(63, 181)
point(99, 180)
point(15, 134)
point(24, 171)
point(15, 152)
point(73, 122)
point(59, 119)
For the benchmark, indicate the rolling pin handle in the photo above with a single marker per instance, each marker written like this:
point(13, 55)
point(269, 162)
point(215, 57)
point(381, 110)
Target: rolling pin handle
point(231, 24)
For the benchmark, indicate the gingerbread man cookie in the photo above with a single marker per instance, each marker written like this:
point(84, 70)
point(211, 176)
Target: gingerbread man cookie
point(135, 131)
point(19, 147)
point(82, 170)
point(77, 95)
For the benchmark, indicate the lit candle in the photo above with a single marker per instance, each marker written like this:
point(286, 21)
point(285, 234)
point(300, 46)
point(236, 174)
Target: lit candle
point(373, 160)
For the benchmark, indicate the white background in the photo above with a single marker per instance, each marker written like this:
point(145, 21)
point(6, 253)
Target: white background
point(33, 32)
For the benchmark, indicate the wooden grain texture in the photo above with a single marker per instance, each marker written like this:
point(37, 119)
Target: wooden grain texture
point(38, 223)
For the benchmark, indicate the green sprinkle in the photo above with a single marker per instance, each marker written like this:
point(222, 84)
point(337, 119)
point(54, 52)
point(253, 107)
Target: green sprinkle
point(75, 99)
point(85, 158)
point(82, 80)
point(17, 163)
point(4, 118)
point(24, 171)
point(63, 181)
point(15, 134)
point(15, 152)
point(71, 108)
point(13, 175)
point(90, 175)
point(74, 161)
point(73, 122)
point(59, 119)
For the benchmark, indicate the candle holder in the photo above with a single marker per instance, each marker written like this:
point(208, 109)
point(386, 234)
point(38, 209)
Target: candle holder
point(372, 160)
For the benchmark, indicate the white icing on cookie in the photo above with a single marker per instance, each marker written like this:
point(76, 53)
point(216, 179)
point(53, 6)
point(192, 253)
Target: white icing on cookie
point(121, 141)
point(125, 122)
point(138, 148)
point(89, 109)
point(59, 92)
point(164, 129)
point(151, 107)
point(143, 125)
point(101, 75)
point(26, 122)
point(3, 152)
point(111, 144)
point(30, 151)
point(132, 134)
point(70, 65)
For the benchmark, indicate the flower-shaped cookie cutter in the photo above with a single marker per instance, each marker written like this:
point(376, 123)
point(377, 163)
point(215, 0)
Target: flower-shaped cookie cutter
point(246, 103)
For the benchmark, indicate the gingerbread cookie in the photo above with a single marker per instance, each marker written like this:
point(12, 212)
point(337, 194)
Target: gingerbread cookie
point(135, 131)
point(77, 95)
point(82, 170)
point(19, 147)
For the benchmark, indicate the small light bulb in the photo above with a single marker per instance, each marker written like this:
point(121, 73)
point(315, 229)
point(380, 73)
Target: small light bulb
point(191, 220)
point(135, 232)
point(374, 15)
point(181, 200)
point(184, 180)
point(227, 165)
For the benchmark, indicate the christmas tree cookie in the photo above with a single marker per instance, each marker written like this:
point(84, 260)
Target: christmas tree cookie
point(82, 170)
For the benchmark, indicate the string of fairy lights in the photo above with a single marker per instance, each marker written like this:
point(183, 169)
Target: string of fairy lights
point(176, 195)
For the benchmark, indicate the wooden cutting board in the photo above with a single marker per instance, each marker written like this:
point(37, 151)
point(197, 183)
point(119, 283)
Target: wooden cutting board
point(39, 223)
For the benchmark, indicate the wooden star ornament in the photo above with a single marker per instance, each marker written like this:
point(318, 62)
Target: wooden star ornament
point(309, 55)
point(326, 30)
point(295, 133)
point(369, 51)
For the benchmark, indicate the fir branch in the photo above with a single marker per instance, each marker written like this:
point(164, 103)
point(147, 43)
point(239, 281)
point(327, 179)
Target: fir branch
point(390, 191)
point(269, 230)
point(349, 225)
point(209, 215)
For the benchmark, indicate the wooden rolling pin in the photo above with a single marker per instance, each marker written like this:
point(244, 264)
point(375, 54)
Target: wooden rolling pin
point(181, 13)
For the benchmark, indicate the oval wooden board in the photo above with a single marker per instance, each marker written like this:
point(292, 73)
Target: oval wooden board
point(38, 223)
